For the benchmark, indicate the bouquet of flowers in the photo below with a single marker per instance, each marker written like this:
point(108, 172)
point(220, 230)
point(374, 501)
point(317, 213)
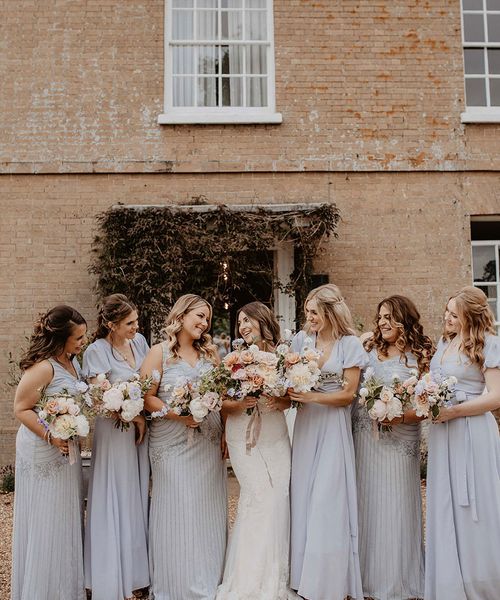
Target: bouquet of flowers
point(186, 400)
point(432, 392)
point(61, 415)
point(123, 399)
point(386, 402)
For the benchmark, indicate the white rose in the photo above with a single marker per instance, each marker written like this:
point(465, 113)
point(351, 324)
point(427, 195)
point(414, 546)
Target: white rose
point(73, 409)
point(386, 395)
point(198, 409)
point(421, 405)
point(378, 412)
point(394, 408)
point(112, 399)
point(131, 408)
point(82, 425)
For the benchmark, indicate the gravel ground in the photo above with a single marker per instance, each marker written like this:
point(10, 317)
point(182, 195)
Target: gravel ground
point(6, 507)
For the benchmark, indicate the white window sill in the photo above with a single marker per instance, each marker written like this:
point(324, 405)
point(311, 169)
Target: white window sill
point(481, 115)
point(219, 118)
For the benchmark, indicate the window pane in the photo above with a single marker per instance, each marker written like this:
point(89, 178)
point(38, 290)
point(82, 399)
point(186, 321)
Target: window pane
point(483, 263)
point(473, 28)
point(182, 25)
point(474, 60)
point(183, 59)
point(256, 62)
point(183, 91)
point(492, 4)
point(255, 25)
point(232, 59)
point(231, 3)
point(494, 28)
point(207, 60)
point(475, 92)
point(231, 25)
point(495, 92)
point(232, 91)
point(207, 91)
point(494, 61)
point(256, 91)
point(256, 3)
point(182, 3)
point(206, 27)
point(206, 3)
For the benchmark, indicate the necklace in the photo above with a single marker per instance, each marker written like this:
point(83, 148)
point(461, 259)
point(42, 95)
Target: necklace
point(67, 367)
point(123, 356)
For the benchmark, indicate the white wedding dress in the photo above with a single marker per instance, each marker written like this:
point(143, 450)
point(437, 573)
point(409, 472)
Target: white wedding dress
point(257, 561)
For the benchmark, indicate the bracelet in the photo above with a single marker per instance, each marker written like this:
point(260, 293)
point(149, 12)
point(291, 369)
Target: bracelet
point(158, 414)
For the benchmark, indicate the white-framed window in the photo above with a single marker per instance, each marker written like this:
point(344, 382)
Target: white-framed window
point(481, 44)
point(219, 62)
point(486, 263)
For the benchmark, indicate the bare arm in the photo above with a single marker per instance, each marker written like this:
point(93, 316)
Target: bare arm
point(342, 397)
point(488, 401)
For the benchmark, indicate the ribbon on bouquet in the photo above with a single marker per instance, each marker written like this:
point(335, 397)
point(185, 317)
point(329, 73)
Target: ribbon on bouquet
point(73, 450)
point(253, 429)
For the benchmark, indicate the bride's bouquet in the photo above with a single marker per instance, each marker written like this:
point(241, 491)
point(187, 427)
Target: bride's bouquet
point(62, 417)
point(431, 393)
point(122, 400)
point(386, 402)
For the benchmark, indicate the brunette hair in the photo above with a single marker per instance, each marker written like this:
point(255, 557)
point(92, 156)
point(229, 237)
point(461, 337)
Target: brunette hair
point(114, 308)
point(406, 319)
point(173, 326)
point(269, 326)
point(476, 319)
point(332, 310)
point(50, 333)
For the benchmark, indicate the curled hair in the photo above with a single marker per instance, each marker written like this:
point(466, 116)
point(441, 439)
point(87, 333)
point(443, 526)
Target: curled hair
point(173, 326)
point(114, 308)
point(50, 334)
point(476, 320)
point(332, 310)
point(268, 324)
point(404, 317)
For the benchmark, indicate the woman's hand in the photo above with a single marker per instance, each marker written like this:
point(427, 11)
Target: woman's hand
point(235, 406)
point(140, 429)
point(445, 414)
point(304, 397)
point(188, 421)
point(395, 421)
point(61, 445)
point(277, 402)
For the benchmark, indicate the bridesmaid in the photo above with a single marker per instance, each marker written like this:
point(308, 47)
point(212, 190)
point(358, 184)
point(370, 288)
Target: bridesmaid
point(388, 468)
point(47, 555)
point(116, 556)
point(257, 559)
point(188, 520)
point(324, 543)
point(463, 476)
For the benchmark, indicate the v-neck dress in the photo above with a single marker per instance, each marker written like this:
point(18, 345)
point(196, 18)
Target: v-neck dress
point(391, 549)
point(463, 489)
point(116, 553)
point(188, 520)
point(324, 513)
point(47, 552)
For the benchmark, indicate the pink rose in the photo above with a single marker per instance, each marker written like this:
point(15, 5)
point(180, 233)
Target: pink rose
point(292, 358)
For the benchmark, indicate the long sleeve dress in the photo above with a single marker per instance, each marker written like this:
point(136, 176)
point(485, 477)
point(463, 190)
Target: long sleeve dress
point(391, 549)
point(47, 553)
point(188, 520)
point(324, 512)
point(116, 554)
point(463, 489)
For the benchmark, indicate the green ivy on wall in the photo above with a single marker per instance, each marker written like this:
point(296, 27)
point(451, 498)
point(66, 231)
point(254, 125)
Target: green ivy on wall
point(155, 254)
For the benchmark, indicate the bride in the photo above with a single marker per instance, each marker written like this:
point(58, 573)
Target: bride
point(257, 557)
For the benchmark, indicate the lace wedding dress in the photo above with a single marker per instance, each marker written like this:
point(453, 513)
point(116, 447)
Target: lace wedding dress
point(257, 564)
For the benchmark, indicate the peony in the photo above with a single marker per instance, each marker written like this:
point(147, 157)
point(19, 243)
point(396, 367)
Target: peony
point(394, 408)
point(82, 425)
point(198, 409)
point(378, 411)
point(211, 400)
point(112, 399)
point(299, 377)
point(64, 427)
point(247, 357)
point(131, 408)
point(73, 409)
point(386, 395)
point(292, 358)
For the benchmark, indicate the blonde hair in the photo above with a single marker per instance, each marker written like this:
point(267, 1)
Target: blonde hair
point(173, 326)
point(476, 319)
point(332, 310)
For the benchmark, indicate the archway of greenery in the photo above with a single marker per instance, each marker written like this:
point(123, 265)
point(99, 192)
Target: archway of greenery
point(155, 254)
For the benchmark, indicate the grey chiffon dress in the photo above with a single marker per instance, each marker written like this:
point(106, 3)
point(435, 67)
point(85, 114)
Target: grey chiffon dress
point(188, 520)
point(47, 552)
point(324, 512)
point(463, 490)
point(115, 549)
point(391, 549)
